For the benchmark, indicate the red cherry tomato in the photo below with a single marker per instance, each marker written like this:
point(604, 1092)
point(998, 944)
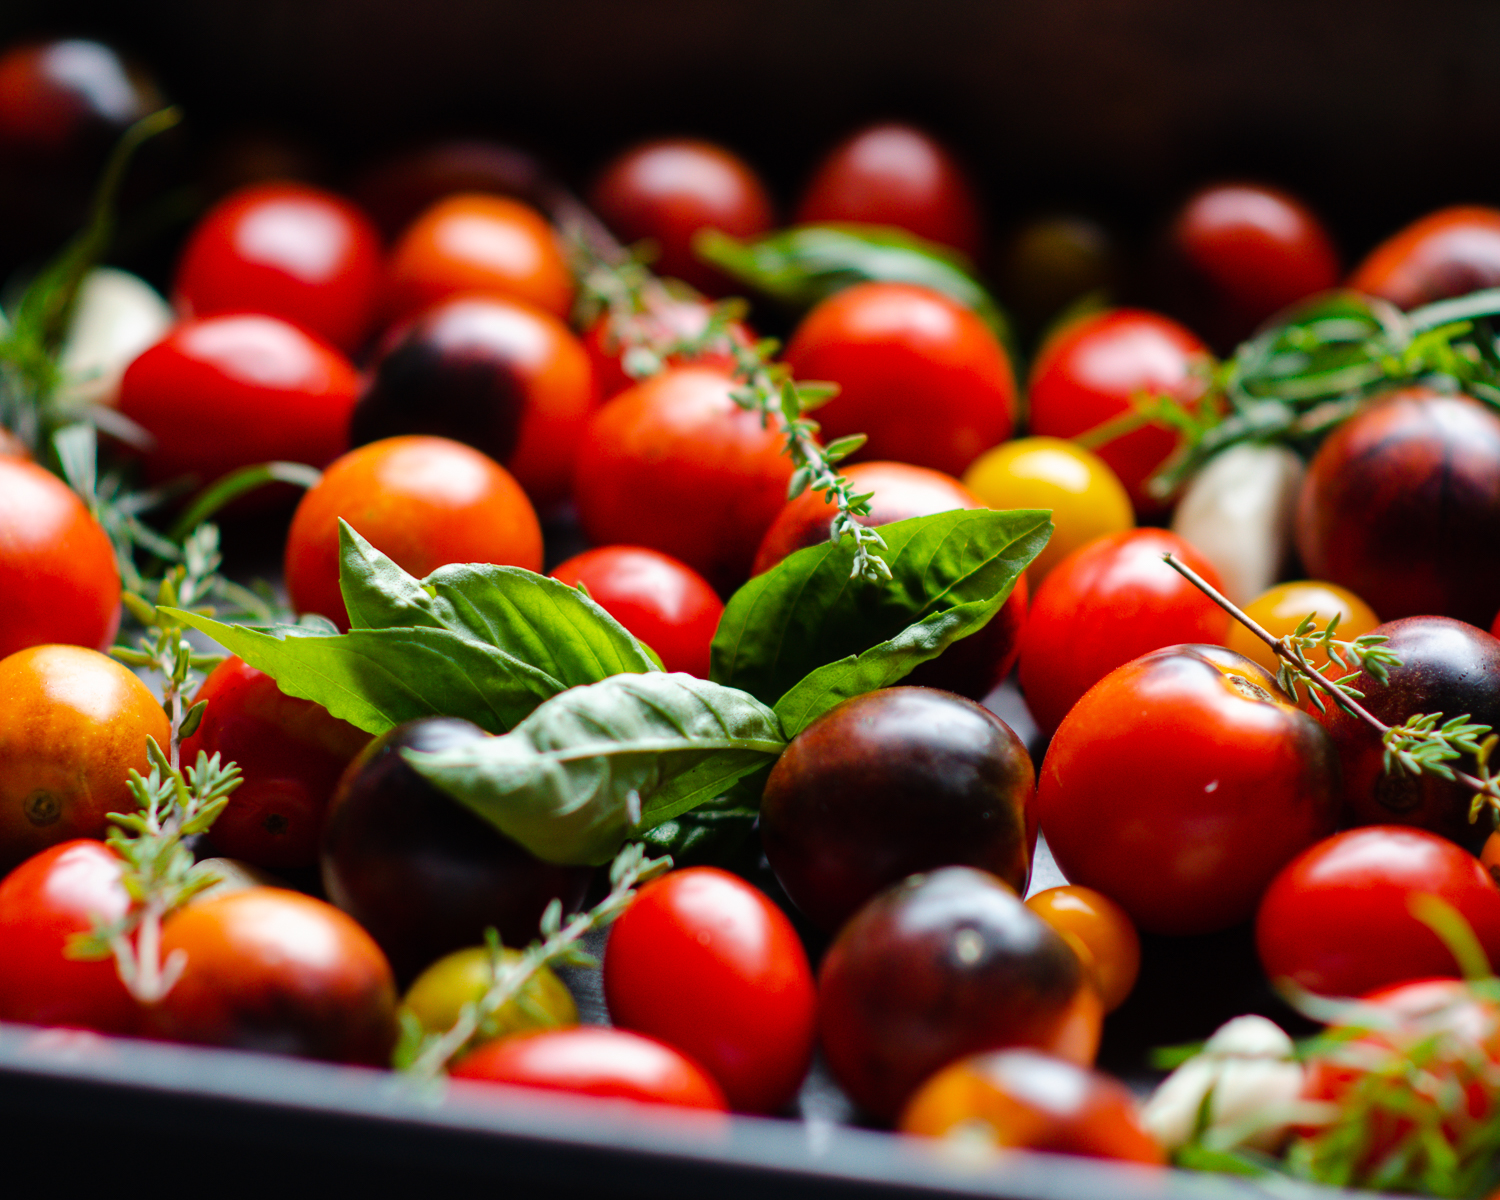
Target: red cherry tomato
point(596, 1061)
point(708, 964)
point(57, 566)
point(43, 903)
point(1108, 602)
point(1338, 919)
point(64, 98)
point(291, 753)
point(423, 501)
point(297, 252)
point(1096, 367)
point(676, 465)
point(1181, 783)
point(918, 373)
point(1451, 252)
point(228, 391)
point(1251, 250)
point(665, 603)
point(667, 191)
point(896, 175)
point(673, 318)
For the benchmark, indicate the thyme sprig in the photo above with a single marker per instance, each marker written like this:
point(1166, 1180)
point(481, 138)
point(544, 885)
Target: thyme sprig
point(1423, 744)
point(612, 281)
point(425, 1056)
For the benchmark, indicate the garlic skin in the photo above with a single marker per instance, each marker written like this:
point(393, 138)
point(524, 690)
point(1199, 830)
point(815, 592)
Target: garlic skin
point(1247, 1066)
point(116, 317)
point(1239, 511)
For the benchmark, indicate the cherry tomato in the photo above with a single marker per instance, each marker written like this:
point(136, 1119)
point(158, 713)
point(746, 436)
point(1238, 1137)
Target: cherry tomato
point(1248, 252)
point(423, 501)
point(1281, 609)
point(499, 374)
point(1181, 783)
point(273, 970)
point(1450, 252)
point(675, 465)
point(1087, 499)
point(666, 191)
point(57, 566)
point(73, 723)
point(595, 1061)
point(477, 243)
point(1053, 261)
point(438, 996)
point(918, 373)
point(1338, 920)
point(297, 252)
point(665, 603)
point(705, 962)
point(897, 175)
point(399, 189)
point(43, 903)
point(672, 318)
point(1024, 1100)
point(64, 97)
point(291, 754)
point(1104, 605)
point(1111, 948)
point(228, 391)
point(1093, 370)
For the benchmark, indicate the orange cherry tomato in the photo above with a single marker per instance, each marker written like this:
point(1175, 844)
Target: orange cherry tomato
point(1447, 253)
point(73, 723)
point(676, 465)
point(666, 191)
point(423, 501)
point(893, 174)
point(1019, 1099)
point(918, 373)
point(1281, 609)
point(1100, 927)
point(297, 252)
point(477, 243)
point(57, 566)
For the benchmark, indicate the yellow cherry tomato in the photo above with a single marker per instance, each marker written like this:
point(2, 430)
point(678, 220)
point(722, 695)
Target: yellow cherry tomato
point(1100, 933)
point(1087, 499)
point(442, 990)
point(1281, 609)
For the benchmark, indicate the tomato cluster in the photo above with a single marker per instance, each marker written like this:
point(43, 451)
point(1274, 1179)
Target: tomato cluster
point(462, 396)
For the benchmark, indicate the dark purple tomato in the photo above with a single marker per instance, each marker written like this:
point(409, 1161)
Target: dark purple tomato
point(423, 874)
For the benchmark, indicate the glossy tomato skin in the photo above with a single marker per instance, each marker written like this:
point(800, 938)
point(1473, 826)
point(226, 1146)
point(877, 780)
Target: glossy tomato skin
point(423, 501)
point(473, 242)
point(666, 191)
point(1090, 372)
point(290, 752)
point(1450, 252)
point(675, 465)
point(43, 903)
point(921, 375)
point(893, 174)
point(73, 724)
point(1100, 931)
point(1105, 604)
point(1280, 609)
point(595, 1061)
point(498, 374)
point(298, 252)
point(276, 971)
point(705, 962)
point(57, 566)
point(665, 603)
point(672, 318)
point(1337, 920)
point(1181, 783)
point(235, 389)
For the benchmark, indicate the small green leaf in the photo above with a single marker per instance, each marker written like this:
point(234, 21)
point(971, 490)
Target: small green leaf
point(564, 781)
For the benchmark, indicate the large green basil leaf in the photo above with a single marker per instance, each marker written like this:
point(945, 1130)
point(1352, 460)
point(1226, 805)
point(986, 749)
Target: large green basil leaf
point(598, 764)
point(805, 635)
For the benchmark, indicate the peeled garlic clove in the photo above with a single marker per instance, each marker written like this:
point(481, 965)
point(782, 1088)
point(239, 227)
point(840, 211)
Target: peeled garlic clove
point(117, 315)
point(1171, 1115)
point(1251, 1102)
point(1250, 1037)
point(1239, 511)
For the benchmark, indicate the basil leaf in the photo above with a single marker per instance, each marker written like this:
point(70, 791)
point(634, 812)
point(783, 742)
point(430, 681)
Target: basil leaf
point(802, 265)
point(804, 635)
point(378, 678)
point(538, 620)
point(600, 763)
point(713, 833)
